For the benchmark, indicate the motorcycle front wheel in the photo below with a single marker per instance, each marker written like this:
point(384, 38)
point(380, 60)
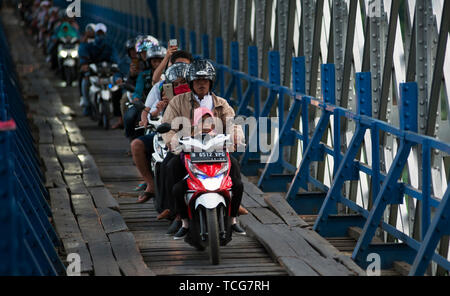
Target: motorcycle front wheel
point(213, 236)
point(105, 116)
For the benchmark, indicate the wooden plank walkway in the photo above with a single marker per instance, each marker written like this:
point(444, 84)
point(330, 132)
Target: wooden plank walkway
point(90, 180)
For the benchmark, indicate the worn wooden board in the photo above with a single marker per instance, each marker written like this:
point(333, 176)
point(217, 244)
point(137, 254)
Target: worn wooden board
point(322, 265)
point(59, 199)
point(80, 149)
point(111, 220)
point(103, 259)
point(47, 151)
point(91, 228)
point(76, 139)
point(65, 223)
point(119, 173)
point(127, 254)
point(54, 179)
point(83, 204)
point(69, 160)
point(249, 202)
point(272, 241)
point(52, 164)
point(266, 216)
point(87, 161)
point(280, 206)
point(76, 184)
point(355, 233)
point(103, 198)
point(92, 178)
point(297, 267)
point(78, 246)
point(251, 189)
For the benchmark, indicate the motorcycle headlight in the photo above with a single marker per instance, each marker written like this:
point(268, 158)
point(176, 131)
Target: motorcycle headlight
point(74, 54)
point(63, 54)
point(195, 170)
point(223, 170)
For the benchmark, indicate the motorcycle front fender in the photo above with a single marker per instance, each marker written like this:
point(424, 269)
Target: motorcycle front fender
point(210, 200)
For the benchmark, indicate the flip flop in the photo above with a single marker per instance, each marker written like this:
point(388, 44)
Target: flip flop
point(164, 215)
point(140, 187)
point(144, 197)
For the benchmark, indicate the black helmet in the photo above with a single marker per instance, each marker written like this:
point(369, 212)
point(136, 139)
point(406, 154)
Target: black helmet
point(130, 43)
point(201, 69)
point(176, 71)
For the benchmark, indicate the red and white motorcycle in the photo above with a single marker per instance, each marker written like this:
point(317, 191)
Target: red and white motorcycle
point(208, 198)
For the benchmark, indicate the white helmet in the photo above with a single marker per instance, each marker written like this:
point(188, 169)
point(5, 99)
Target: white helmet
point(100, 27)
point(90, 27)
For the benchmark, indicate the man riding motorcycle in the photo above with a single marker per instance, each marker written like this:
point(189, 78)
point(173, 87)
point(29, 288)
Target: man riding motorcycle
point(201, 77)
point(94, 53)
point(142, 148)
point(153, 55)
point(132, 62)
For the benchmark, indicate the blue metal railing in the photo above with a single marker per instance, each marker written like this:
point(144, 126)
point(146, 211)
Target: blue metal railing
point(28, 242)
point(245, 92)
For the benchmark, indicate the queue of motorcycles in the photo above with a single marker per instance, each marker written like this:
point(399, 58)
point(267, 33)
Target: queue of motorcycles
point(101, 78)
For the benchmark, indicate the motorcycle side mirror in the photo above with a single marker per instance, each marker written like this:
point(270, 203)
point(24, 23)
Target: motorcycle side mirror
point(163, 128)
point(115, 68)
point(93, 67)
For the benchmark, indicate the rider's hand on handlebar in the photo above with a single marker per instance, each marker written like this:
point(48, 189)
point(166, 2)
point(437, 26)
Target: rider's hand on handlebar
point(119, 81)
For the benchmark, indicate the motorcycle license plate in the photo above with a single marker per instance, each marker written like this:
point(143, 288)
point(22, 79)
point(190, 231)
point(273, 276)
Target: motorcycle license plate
point(208, 157)
point(69, 62)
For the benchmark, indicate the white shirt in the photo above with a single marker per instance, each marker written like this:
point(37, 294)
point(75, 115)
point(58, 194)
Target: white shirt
point(206, 102)
point(154, 96)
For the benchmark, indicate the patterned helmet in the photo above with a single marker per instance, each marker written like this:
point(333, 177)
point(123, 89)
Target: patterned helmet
point(201, 69)
point(156, 52)
point(176, 71)
point(144, 43)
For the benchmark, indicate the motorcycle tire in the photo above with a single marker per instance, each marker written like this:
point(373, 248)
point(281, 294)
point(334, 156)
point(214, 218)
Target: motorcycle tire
point(213, 236)
point(68, 76)
point(157, 201)
point(105, 121)
point(105, 115)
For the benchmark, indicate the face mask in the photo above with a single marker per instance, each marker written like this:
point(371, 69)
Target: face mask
point(181, 89)
point(100, 38)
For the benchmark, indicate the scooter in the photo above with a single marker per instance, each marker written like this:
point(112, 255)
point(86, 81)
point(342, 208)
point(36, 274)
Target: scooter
point(208, 198)
point(68, 59)
point(101, 79)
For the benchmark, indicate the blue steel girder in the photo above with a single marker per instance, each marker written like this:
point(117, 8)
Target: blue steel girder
point(314, 151)
point(389, 192)
point(288, 134)
point(251, 161)
point(439, 227)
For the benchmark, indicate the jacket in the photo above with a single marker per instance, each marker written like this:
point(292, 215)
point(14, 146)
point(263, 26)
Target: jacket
point(181, 107)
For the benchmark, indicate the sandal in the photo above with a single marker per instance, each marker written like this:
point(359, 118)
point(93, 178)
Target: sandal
point(140, 187)
point(144, 197)
point(164, 215)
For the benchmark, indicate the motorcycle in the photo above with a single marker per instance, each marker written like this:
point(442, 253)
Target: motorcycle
point(101, 77)
point(208, 198)
point(68, 59)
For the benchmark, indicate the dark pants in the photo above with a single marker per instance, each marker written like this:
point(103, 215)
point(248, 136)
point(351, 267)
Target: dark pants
point(166, 181)
point(116, 97)
point(181, 187)
point(130, 120)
